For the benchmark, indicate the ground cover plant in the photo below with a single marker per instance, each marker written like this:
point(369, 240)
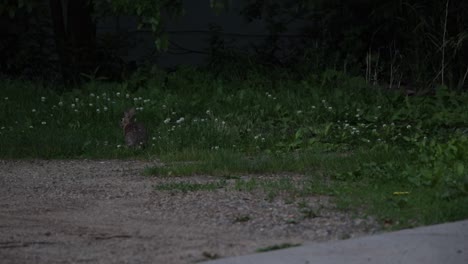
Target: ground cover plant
point(379, 152)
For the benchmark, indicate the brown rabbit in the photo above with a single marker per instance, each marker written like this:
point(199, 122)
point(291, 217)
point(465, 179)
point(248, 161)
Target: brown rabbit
point(135, 133)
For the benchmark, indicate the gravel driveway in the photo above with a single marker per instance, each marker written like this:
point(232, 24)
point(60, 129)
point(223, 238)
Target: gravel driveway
point(88, 211)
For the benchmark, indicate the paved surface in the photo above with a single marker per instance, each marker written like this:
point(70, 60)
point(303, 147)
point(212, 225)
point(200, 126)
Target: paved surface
point(445, 243)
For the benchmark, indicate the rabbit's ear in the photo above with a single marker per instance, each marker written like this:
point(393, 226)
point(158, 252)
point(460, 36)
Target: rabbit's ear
point(130, 113)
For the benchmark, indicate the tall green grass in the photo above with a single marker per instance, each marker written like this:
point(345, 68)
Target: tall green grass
point(192, 110)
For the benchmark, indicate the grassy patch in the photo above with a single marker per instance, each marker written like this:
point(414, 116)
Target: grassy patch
point(398, 205)
point(391, 185)
point(229, 163)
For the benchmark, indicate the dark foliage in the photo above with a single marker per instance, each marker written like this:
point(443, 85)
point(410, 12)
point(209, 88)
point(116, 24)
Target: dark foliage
point(422, 44)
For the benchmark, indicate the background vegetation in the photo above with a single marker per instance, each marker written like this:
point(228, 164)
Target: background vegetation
point(415, 45)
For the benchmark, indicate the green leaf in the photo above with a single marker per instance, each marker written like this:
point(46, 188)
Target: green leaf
point(219, 5)
point(299, 134)
point(459, 168)
point(277, 107)
point(161, 43)
point(154, 21)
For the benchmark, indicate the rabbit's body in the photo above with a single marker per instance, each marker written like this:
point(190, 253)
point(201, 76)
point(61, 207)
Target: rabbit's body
point(135, 133)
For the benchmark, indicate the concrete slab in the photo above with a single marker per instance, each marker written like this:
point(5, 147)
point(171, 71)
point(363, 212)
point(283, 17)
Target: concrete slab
point(444, 243)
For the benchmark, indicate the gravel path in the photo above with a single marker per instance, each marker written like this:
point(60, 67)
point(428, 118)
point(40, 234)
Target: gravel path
point(87, 211)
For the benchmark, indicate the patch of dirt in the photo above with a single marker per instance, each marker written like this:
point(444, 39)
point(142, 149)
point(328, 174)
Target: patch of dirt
point(87, 211)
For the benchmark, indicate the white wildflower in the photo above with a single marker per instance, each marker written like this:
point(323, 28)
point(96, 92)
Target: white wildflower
point(180, 120)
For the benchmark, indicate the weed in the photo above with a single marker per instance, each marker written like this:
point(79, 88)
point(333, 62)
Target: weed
point(210, 255)
point(242, 218)
point(307, 211)
point(277, 247)
point(190, 187)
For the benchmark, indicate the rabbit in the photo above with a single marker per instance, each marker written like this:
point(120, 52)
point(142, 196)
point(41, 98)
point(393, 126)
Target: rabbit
point(135, 133)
